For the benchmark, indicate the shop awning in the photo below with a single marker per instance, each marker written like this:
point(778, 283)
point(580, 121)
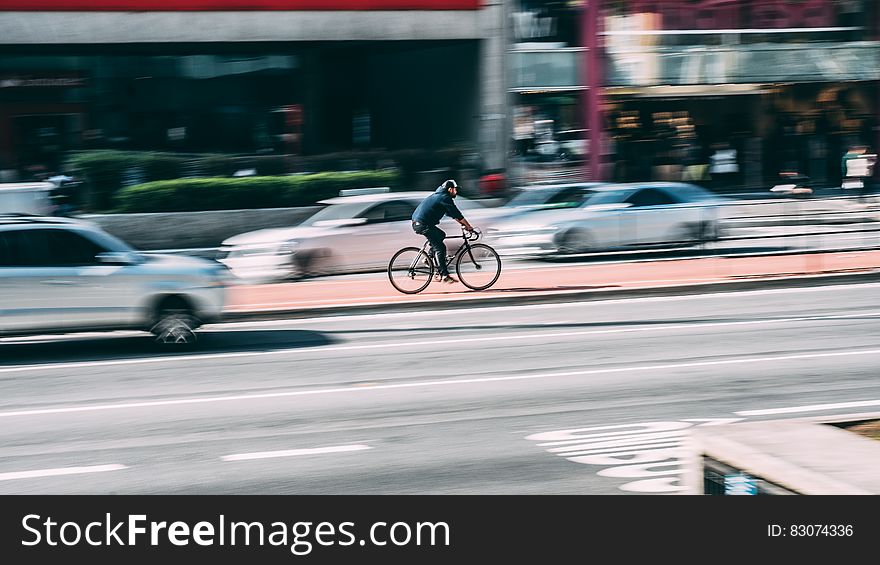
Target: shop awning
point(641, 66)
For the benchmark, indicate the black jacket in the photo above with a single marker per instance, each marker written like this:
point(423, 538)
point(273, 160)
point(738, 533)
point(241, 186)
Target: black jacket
point(432, 208)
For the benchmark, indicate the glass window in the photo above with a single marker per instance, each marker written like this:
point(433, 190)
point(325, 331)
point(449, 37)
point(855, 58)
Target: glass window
point(23, 248)
point(336, 212)
point(47, 248)
point(12, 249)
point(607, 197)
point(570, 197)
point(67, 248)
point(650, 197)
point(398, 211)
point(389, 212)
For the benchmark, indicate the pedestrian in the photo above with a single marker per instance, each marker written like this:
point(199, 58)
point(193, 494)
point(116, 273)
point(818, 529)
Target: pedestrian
point(857, 165)
point(723, 166)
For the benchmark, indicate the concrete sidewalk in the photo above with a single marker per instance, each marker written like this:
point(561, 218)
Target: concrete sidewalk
point(373, 292)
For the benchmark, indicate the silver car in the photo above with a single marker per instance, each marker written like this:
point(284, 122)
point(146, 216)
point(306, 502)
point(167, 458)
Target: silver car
point(61, 275)
point(626, 215)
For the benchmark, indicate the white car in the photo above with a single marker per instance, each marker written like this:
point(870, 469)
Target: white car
point(548, 196)
point(629, 215)
point(60, 275)
point(26, 198)
point(349, 234)
point(568, 145)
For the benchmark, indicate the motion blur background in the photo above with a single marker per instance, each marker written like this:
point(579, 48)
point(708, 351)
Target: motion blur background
point(503, 92)
point(682, 192)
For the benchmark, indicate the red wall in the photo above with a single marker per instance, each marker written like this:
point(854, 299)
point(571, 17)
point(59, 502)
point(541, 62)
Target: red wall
point(216, 5)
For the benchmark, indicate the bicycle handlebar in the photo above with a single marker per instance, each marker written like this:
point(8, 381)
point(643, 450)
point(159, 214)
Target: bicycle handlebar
point(471, 235)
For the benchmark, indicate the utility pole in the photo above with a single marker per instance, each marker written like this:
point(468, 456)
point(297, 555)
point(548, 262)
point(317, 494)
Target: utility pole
point(591, 71)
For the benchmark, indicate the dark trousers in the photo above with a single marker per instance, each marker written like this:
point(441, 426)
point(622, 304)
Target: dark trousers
point(435, 236)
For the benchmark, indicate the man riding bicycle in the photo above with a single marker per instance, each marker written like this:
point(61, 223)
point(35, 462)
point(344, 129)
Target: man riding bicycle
point(429, 213)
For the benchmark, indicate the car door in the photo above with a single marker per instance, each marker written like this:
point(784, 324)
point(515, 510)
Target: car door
point(34, 289)
point(96, 294)
point(649, 218)
point(387, 228)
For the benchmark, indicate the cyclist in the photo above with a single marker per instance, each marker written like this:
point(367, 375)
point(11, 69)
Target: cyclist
point(429, 213)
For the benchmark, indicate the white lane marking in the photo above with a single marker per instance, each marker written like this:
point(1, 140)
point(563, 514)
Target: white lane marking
point(430, 342)
point(59, 472)
point(808, 408)
point(451, 382)
point(294, 452)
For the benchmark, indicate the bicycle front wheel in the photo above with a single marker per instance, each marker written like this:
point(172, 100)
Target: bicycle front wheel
point(478, 268)
point(410, 270)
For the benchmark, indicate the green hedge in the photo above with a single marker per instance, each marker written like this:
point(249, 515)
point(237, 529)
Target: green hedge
point(194, 194)
point(106, 172)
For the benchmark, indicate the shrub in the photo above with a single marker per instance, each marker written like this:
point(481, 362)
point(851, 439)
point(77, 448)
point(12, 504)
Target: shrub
point(194, 194)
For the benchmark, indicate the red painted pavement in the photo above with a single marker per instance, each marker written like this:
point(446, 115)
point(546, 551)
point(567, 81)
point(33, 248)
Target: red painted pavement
point(375, 288)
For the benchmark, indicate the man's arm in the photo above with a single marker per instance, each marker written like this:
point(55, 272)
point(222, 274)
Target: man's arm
point(453, 212)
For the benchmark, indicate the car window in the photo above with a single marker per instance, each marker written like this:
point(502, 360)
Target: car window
point(692, 193)
point(14, 249)
point(25, 248)
point(46, 248)
point(570, 197)
point(335, 212)
point(650, 197)
point(398, 211)
point(68, 248)
point(606, 197)
point(394, 211)
point(531, 197)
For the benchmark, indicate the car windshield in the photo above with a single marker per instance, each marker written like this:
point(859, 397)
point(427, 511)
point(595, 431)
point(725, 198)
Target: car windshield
point(531, 197)
point(562, 197)
point(690, 193)
point(607, 197)
point(336, 212)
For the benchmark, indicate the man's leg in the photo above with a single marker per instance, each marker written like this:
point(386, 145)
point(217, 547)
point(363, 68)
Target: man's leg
point(436, 236)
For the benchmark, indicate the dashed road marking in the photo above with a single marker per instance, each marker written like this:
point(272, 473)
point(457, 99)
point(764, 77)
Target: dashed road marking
point(294, 452)
point(59, 472)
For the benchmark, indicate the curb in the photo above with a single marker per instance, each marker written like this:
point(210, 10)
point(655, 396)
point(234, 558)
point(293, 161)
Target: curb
point(598, 294)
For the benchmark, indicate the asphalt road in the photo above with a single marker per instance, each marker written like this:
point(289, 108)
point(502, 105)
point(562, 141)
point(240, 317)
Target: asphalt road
point(579, 398)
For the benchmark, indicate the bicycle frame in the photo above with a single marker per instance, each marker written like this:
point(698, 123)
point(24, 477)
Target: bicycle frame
point(450, 259)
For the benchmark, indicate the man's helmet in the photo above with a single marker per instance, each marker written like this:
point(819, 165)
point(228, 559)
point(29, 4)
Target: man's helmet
point(450, 184)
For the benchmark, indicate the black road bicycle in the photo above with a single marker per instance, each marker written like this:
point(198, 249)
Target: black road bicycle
point(478, 266)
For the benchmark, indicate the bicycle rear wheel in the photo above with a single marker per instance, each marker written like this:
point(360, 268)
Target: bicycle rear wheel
point(479, 268)
point(410, 270)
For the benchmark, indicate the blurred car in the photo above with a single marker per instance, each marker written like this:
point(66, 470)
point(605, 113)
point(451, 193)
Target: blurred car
point(60, 275)
point(629, 215)
point(26, 198)
point(349, 234)
point(567, 145)
point(547, 196)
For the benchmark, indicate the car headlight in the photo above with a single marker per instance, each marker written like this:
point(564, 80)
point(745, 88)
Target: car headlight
point(288, 247)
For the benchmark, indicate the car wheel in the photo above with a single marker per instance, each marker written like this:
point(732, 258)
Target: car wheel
point(572, 242)
point(310, 264)
point(175, 324)
point(711, 231)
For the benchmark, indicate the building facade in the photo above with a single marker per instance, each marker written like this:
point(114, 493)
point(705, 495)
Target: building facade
point(789, 85)
point(250, 76)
